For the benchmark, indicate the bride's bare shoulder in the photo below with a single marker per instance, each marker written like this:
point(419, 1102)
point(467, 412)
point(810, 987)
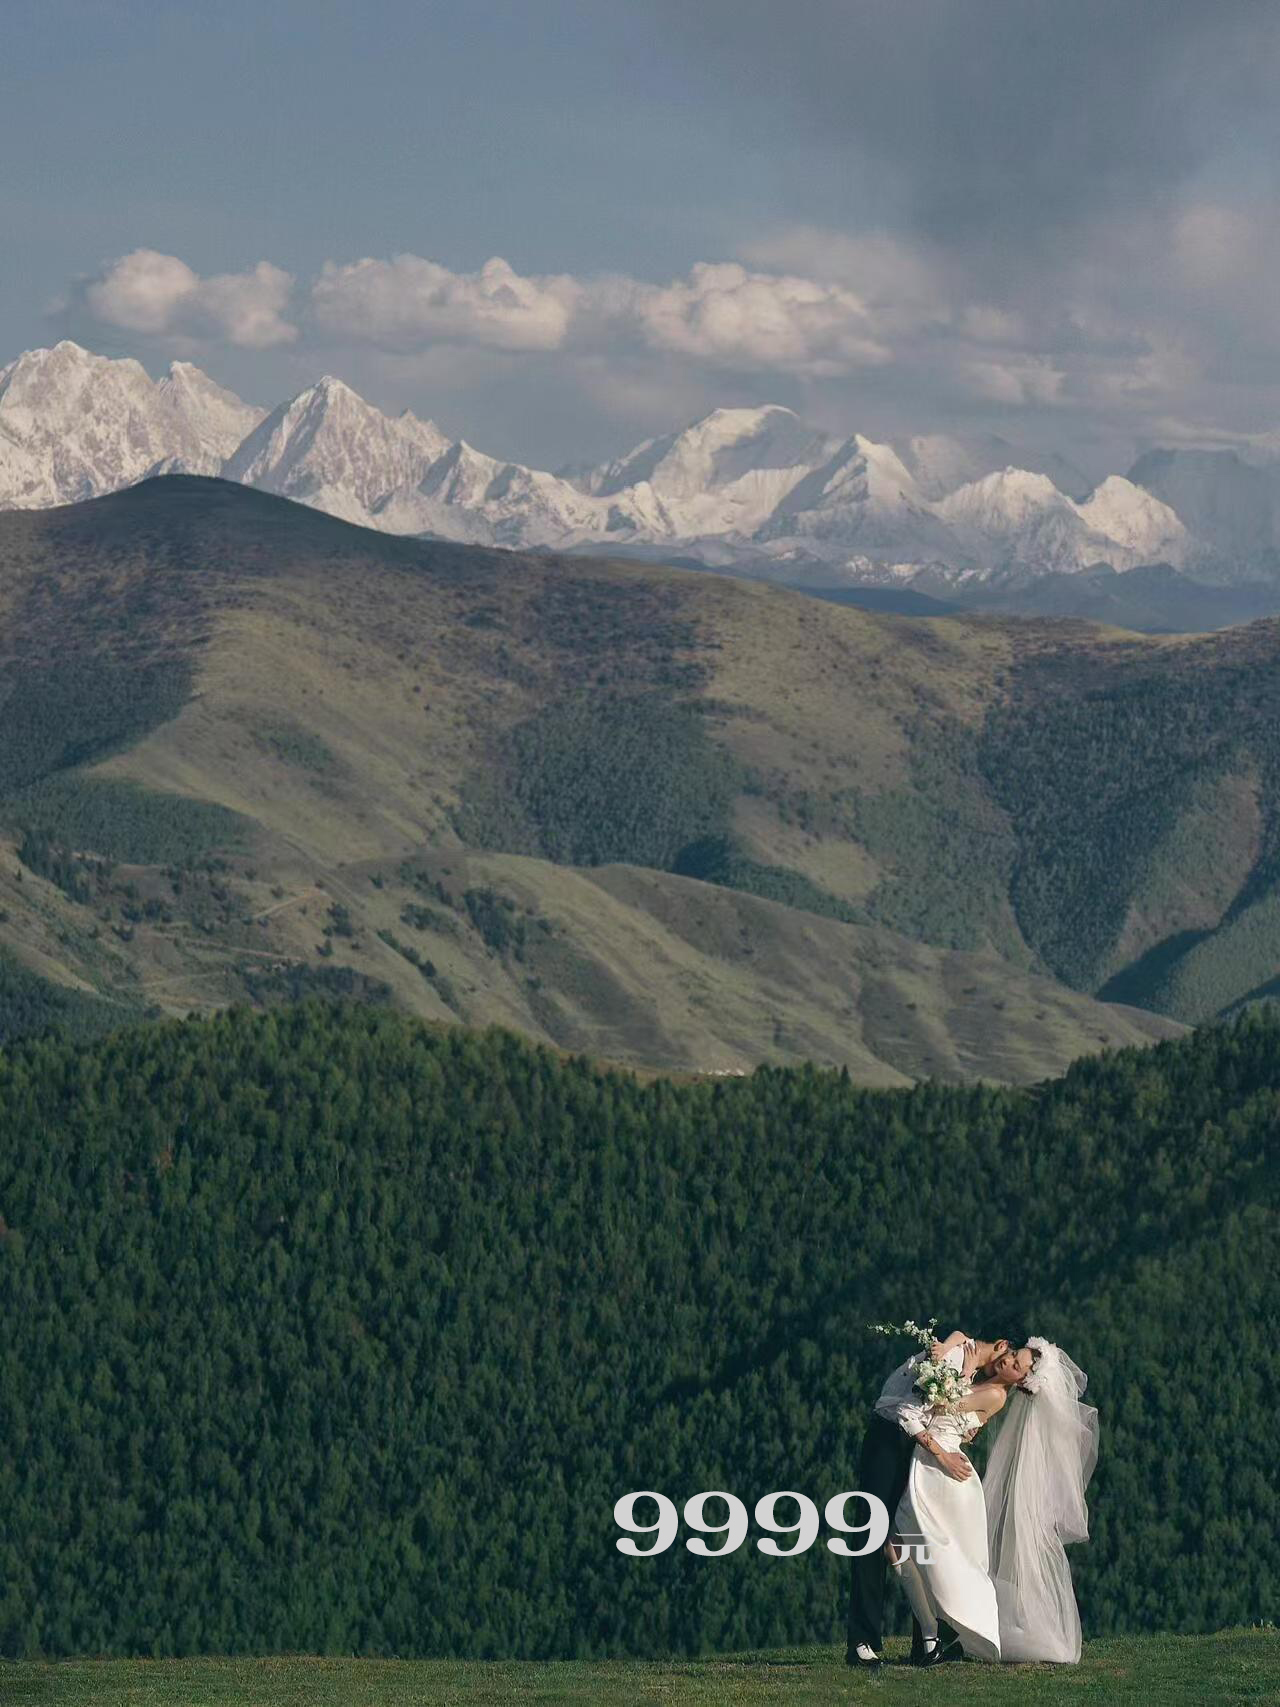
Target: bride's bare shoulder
point(988, 1398)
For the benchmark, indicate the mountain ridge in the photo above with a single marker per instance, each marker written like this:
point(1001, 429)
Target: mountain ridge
point(657, 815)
point(258, 751)
point(752, 488)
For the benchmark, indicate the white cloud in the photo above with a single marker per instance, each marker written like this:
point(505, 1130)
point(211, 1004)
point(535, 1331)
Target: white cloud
point(901, 283)
point(1166, 316)
point(725, 315)
point(160, 296)
point(408, 302)
point(721, 314)
point(1016, 382)
point(140, 292)
point(249, 307)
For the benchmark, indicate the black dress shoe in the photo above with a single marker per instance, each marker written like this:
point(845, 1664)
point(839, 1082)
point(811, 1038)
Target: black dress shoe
point(927, 1656)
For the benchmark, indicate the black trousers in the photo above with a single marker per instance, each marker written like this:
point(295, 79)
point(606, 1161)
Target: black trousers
point(882, 1470)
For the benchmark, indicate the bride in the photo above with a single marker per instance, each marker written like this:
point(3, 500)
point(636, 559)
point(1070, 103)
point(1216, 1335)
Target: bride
point(997, 1572)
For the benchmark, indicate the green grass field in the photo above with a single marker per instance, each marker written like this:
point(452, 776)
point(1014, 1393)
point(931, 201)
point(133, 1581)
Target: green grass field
point(1234, 1666)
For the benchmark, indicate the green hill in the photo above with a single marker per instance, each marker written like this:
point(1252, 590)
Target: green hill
point(328, 1332)
point(666, 817)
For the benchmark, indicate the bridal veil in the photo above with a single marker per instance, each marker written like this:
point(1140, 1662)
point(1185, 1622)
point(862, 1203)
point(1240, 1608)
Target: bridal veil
point(1035, 1484)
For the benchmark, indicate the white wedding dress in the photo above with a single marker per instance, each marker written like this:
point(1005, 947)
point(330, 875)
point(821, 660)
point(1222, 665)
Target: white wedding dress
point(951, 1517)
point(1000, 1577)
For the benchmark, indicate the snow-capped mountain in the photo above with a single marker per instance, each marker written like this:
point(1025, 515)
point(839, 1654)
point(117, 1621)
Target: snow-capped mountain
point(216, 420)
point(1016, 517)
point(466, 495)
point(755, 488)
point(73, 425)
point(724, 474)
point(866, 504)
point(1117, 509)
point(861, 503)
point(329, 448)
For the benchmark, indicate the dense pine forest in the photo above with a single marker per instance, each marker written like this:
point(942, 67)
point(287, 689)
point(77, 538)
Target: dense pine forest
point(328, 1331)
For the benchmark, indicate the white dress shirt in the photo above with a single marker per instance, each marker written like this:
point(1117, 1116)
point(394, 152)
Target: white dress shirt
point(902, 1402)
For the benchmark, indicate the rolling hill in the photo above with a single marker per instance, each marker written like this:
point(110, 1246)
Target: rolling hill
point(662, 816)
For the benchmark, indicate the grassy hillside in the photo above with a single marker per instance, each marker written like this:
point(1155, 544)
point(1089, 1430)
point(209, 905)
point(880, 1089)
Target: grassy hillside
point(327, 1332)
point(1235, 1667)
point(255, 750)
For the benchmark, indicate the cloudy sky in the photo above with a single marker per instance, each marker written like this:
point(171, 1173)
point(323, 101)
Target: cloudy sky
point(556, 226)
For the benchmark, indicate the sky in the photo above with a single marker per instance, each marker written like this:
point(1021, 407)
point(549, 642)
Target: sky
point(556, 227)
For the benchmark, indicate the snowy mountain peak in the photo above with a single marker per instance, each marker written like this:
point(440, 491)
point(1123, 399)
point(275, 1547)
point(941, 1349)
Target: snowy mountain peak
point(1025, 516)
point(724, 473)
point(714, 451)
point(755, 488)
point(467, 495)
point(217, 418)
point(861, 503)
point(885, 470)
point(330, 386)
point(329, 439)
point(733, 426)
point(1137, 520)
point(47, 378)
point(66, 356)
point(460, 472)
point(1002, 501)
point(74, 424)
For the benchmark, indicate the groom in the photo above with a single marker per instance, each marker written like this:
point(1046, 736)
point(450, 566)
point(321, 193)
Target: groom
point(898, 1424)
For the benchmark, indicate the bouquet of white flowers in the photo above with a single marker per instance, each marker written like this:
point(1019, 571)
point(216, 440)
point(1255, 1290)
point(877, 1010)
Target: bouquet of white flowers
point(942, 1384)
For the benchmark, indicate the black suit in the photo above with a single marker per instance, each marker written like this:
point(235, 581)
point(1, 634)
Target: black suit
point(883, 1469)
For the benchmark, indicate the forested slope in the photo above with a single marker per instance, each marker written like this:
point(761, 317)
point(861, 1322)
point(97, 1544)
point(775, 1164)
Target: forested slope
point(327, 1331)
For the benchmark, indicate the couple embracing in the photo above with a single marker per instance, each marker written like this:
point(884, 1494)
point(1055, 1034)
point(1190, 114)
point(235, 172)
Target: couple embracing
point(983, 1569)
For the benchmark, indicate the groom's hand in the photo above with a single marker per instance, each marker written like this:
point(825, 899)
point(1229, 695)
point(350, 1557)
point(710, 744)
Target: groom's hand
point(956, 1465)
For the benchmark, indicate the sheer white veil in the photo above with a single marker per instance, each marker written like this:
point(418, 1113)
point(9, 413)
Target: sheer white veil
point(1036, 1478)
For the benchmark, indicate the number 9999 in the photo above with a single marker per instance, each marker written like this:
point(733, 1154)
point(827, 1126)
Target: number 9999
point(735, 1525)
